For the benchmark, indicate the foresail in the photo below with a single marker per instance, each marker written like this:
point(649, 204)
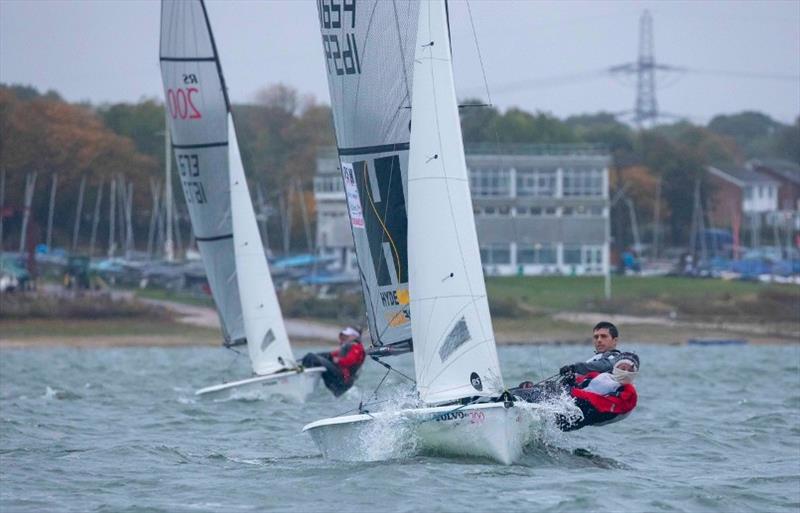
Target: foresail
point(368, 49)
point(267, 341)
point(454, 348)
point(197, 112)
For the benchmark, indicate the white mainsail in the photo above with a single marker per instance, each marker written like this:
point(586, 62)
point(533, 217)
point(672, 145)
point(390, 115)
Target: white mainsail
point(454, 348)
point(197, 112)
point(368, 49)
point(267, 341)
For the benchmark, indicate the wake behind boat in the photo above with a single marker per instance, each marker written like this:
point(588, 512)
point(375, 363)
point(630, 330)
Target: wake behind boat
point(217, 197)
point(458, 378)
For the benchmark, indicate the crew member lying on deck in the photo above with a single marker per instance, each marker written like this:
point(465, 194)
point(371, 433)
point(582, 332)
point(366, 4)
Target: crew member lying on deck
point(602, 397)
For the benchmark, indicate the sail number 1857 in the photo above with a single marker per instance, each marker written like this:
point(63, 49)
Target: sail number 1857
point(189, 166)
point(341, 49)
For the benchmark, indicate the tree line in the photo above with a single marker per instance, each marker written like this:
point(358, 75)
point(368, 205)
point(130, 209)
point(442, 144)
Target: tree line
point(280, 133)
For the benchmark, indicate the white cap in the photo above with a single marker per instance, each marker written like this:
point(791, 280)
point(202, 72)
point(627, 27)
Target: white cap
point(350, 332)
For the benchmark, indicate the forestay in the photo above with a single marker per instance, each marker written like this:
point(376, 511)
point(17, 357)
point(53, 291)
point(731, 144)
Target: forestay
point(197, 111)
point(368, 46)
point(454, 348)
point(267, 341)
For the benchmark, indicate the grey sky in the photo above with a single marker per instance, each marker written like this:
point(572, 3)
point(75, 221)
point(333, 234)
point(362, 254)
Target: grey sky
point(107, 51)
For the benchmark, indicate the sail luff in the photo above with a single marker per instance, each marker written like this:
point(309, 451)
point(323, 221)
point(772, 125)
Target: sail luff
point(454, 348)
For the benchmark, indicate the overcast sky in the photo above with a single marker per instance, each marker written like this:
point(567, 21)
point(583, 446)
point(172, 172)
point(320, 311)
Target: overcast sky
point(538, 55)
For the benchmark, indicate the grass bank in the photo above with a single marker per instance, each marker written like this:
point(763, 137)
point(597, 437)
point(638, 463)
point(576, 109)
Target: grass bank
point(674, 297)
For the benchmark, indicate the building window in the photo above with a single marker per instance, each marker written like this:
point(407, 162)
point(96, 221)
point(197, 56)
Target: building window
point(582, 211)
point(583, 182)
point(536, 182)
point(490, 182)
point(748, 193)
point(495, 254)
point(536, 254)
point(328, 183)
point(572, 255)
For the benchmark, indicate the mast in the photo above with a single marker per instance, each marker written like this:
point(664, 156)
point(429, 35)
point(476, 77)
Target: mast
point(169, 250)
point(112, 195)
point(30, 187)
point(53, 187)
point(78, 213)
point(2, 202)
point(95, 218)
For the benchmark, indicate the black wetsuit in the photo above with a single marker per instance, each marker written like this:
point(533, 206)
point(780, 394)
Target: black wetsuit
point(600, 362)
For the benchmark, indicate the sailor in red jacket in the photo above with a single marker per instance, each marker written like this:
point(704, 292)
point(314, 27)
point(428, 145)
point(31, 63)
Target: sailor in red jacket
point(604, 397)
point(341, 364)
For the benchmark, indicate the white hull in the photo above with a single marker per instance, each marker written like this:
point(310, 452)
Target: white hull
point(294, 385)
point(487, 430)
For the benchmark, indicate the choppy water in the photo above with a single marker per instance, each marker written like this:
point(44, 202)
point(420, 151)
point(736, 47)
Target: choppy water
point(717, 429)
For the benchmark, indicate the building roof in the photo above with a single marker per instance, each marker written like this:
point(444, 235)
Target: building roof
point(740, 176)
point(790, 171)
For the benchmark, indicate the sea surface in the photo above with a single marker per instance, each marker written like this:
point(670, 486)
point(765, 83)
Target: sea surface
point(119, 430)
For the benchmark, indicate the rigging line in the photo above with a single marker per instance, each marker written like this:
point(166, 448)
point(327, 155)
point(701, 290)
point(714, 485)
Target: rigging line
point(386, 365)
point(228, 368)
point(402, 49)
point(375, 392)
point(356, 408)
point(378, 215)
point(385, 212)
point(480, 56)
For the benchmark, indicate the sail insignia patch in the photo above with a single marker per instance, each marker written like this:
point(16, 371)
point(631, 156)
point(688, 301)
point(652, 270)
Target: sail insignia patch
point(269, 338)
point(457, 337)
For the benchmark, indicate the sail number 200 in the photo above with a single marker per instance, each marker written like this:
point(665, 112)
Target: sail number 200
point(180, 103)
point(341, 50)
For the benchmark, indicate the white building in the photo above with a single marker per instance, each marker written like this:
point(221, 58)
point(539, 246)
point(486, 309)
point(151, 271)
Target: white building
point(539, 209)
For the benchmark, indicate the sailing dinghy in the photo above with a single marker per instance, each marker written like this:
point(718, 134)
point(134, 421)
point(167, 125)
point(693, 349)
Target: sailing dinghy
point(462, 405)
point(221, 211)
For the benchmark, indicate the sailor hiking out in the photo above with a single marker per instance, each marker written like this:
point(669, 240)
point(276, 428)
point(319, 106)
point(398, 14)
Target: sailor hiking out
point(341, 364)
point(604, 397)
point(602, 387)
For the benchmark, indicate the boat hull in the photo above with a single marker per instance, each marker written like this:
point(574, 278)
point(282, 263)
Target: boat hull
point(294, 385)
point(487, 430)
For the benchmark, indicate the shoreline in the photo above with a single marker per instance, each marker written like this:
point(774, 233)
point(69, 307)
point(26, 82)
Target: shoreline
point(197, 326)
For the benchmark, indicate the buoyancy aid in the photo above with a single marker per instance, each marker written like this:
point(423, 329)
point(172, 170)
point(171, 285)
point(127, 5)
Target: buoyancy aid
point(349, 358)
point(603, 409)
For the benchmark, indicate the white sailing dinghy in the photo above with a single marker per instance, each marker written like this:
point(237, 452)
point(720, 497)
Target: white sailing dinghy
point(220, 208)
point(455, 358)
